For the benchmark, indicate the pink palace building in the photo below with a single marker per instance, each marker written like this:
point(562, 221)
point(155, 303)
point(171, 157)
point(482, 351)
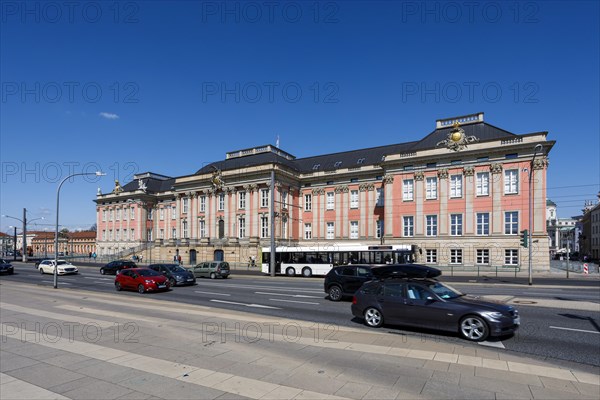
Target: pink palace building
point(459, 196)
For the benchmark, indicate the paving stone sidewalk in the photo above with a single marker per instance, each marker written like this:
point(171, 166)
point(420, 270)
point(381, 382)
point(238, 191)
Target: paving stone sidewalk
point(71, 344)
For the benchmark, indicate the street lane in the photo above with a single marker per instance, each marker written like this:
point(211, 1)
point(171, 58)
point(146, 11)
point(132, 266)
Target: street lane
point(304, 299)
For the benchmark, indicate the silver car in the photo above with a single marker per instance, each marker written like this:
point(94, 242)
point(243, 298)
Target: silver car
point(212, 269)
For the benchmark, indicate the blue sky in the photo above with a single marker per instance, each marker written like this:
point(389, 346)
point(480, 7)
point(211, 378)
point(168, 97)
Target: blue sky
point(170, 86)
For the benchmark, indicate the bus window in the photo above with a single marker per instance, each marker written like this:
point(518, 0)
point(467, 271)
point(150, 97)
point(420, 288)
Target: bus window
point(353, 257)
point(266, 258)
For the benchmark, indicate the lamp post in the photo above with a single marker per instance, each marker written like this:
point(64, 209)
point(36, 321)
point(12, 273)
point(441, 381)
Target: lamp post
point(24, 222)
point(538, 147)
point(97, 173)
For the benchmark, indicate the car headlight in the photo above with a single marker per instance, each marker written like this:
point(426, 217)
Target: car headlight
point(493, 314)
point(179, 277)
point(149, 281)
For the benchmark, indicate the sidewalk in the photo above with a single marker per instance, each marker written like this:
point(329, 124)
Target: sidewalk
point(84, 345)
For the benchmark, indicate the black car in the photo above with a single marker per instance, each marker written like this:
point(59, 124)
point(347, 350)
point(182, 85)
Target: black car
point(346, 280)
point(176, 274)
point(6, 267)
point(428, 303)
point(114, 267)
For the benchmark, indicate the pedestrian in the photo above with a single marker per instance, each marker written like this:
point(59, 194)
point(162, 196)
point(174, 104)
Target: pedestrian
point(90, 255)
point(94, 256)
point(179, 259)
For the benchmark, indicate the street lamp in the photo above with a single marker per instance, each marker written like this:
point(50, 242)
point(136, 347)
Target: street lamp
point(97, 173)
point(24, 222)
point(538, 147)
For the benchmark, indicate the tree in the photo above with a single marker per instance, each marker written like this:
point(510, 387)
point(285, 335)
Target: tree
point(94, 228)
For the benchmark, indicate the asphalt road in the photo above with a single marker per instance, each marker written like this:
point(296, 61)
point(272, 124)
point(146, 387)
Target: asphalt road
point(563, 333)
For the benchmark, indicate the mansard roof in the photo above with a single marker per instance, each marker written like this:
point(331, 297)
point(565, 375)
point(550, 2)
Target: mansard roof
point(155, 183)
point(481, 130)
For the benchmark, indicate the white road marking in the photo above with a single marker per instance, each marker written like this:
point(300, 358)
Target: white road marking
point(60, 283)
point(314, 291)
point(244, 304)
point(295, 301)
point(290, 295)
point(498, 345)
point(95, 277)
point(575, 330)
point(217, 294)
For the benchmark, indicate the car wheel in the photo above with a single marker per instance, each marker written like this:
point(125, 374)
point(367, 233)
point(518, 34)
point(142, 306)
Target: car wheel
point(102, 271)
point(474, 328)
point(373, 317)
point(335, 293)
point(290, 271)
point(213, 275)
point(172, 282)
point(141, 289)
point(307, 272)
point(225, 276)
point(42, 271)
point(118, 286)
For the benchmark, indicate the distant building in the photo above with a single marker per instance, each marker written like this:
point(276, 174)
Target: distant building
point(459, 195)
point(6, 243)
point(590, 237)
point(71, 243)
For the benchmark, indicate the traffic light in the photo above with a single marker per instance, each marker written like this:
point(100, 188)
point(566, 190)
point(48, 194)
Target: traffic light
point(524, 238)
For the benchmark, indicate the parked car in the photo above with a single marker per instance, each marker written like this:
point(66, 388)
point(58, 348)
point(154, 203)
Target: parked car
point(428, 303)
point(141, 279)
point(345, 280)
point(176, 274)
point(6, 267)
point(114, 267)
point(64, 267)
point(212, 269)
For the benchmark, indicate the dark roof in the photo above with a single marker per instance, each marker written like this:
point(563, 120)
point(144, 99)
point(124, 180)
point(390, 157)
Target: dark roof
point(481, 131)
point(248, 161)
point(153, 185)
point(550, 203)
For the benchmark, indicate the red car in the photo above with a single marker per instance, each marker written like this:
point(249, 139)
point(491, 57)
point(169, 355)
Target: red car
point(141, 279)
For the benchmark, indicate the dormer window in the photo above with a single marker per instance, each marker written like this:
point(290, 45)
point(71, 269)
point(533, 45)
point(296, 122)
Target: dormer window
point(316, 167)
point(360, 160)
point(337, 164)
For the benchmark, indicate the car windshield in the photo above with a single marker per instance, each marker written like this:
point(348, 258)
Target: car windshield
point(62, 263)
point(175, 268)
point(148, 272)
point(444, 291)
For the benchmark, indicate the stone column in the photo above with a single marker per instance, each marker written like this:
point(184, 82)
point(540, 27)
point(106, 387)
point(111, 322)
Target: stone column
point(388, 212)
point(539, 199)
point(497, 219)
point(468, 173)
point(419, 219)
point(322, 201)
point(193, 225)
point(443, 215)
point(254, 210)
point(362, 205)
point(338, 212)
point(372, 196)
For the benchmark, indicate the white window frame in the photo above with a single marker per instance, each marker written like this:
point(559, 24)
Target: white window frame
point(456, 186)
point(482, 184)
point(201, 228)
point(354, 230)
point(456, 224)
point(104, 235)
point(431, 225)
point(110, 235)
point(203, 203)
point(284, 199)
point(307, 231)
point(161, 233)
point(431, 256)
point(125, 235)
point(173, 211)
point(264, 226)
point(482, 257)
point(241, 200)
point(408, 190)
point(456, 256)
point(173, 233)
point(110, 214)
point(431, 188)
point(511, 257)
point(511, 181)
point(132, 230)
point(149, 234)
point(161, 213)
point(511, 222)
point(117, 234)
point(330, 200)
point(184, 205)
point(150, 214)
point(482, 222)
point(330, 230)
point(221, 202)
point(118, 216)
point(354, 199)
point(307, 202)
point(408, 226)
point(242, 227)
point(264, 198)
point(132, 214)
point(379, 228)
point(184, 229)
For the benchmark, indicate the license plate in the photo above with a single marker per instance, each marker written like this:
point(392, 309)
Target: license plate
point(190, 280)
point(162, 286)
point(518, 321)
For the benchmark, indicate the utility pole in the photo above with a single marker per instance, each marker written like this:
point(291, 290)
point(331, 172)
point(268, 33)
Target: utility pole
point(24, 235)
point(15, 244)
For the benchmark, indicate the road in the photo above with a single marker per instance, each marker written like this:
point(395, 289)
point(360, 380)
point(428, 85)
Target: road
point(558, 322)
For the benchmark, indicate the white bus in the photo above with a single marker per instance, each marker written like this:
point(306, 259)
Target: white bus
point(318, 259)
